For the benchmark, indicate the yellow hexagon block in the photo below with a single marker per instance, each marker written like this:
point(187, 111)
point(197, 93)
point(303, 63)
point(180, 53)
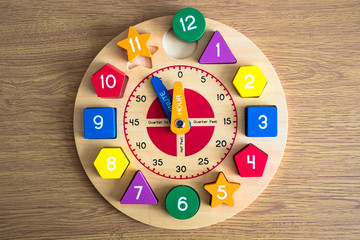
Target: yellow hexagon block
point(111, 162)
point(249, 81)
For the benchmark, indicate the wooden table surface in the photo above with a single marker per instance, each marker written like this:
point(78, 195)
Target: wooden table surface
point(45, 49)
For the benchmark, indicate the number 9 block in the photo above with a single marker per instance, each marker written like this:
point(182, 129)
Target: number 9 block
point(99, 123)
point(111, 163)
point(261, 121)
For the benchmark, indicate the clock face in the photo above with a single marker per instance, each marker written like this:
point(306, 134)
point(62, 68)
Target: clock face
point(213, 120)
point(180, 143)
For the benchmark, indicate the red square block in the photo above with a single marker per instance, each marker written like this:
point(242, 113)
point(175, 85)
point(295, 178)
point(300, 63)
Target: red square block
point(109, 81)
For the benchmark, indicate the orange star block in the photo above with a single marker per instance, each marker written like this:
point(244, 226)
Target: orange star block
point(135, 44)
point(221, 191)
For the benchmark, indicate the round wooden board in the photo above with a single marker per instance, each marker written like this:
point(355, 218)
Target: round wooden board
point(247, 54)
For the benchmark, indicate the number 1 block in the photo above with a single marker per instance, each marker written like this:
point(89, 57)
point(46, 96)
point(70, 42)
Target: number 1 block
point(261, 121)
point(217, 51)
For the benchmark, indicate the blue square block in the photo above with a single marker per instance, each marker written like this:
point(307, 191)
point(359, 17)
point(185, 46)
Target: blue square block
point(99, 123)
point(261, 121)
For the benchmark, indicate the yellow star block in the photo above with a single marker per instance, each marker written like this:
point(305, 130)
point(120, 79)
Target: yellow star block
point(221, 191)
point(135, 44)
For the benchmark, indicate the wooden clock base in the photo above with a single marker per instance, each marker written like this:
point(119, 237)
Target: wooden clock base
point(247, 54)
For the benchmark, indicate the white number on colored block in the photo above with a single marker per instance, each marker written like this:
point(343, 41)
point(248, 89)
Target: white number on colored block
point(263, 124)
point(190, 26)
point(218, 49)
point(139, 191)
point(182, 203)
point(111, 166)
point(252, 79)
point(132, 44)
point(106, 82)
point(251, 161)
point(99, 121)
point(221, 189)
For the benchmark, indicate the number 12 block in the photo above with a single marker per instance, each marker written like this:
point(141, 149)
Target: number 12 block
point(261, 121)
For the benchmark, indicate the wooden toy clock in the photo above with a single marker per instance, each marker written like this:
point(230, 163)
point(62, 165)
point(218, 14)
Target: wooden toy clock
point(180, 122)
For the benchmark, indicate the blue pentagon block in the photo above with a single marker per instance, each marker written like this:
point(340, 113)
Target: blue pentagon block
point(261, 121)
point(99, 123)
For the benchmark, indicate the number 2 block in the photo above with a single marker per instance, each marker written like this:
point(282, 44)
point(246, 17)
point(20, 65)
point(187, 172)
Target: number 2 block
point(261, 121)
point(109, 81)
point(99, 123)
point(250, 161)
point(249, 81)
point(111, 163)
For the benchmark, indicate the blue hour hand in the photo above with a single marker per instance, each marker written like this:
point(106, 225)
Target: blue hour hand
point(163, 95)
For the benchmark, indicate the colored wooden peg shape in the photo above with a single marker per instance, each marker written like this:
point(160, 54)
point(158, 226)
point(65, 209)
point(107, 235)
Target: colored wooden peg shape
point(109, 81)
point(182, 202)
point(111, 163)
point(261, 121)
point(136, 44)
point(139, 191)
point(222, 191)
point(189, 24)
point(217, 51)
point(99, 123)
point(250, 161)
point(249, 81)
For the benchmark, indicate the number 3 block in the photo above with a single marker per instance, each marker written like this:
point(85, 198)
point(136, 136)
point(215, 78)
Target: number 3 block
point(261, 121)
point(109, 81)
point(99, 123)
point(249, 81)
point(111, 163)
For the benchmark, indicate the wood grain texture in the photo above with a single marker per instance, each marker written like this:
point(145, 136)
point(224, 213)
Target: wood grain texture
point(45, 49)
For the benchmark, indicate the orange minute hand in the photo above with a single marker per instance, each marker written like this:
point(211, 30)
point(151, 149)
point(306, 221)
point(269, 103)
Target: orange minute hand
point(179, 116)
